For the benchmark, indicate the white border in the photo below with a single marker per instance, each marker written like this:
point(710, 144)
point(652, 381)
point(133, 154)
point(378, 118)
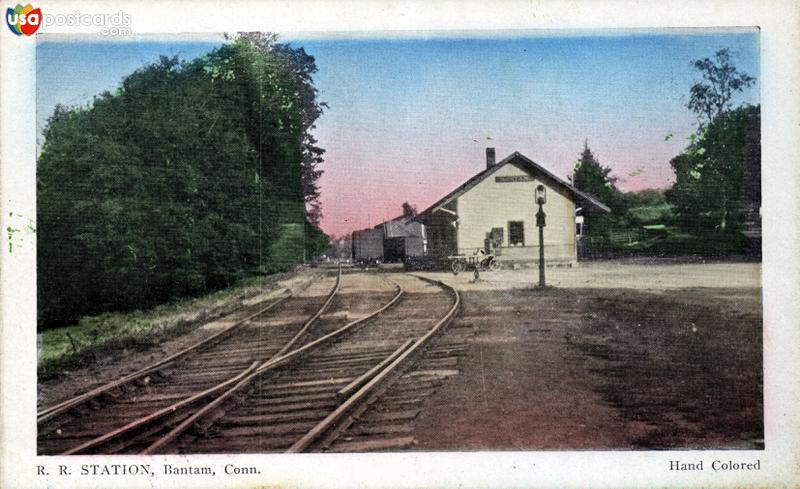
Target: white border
point(779, 81)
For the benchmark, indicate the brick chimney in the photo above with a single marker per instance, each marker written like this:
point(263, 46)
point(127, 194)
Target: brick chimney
point(490, 157)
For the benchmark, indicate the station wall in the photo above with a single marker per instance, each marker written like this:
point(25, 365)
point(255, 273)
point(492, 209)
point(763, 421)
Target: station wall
point(507, 196)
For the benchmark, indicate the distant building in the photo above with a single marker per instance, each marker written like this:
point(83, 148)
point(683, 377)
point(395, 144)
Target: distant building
point(390, 241)
point(368, 245)
point(403, 237)
point(495, 211)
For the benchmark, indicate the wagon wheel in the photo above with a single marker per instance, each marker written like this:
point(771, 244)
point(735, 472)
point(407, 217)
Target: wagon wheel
point(457, 266)
point(494, 265)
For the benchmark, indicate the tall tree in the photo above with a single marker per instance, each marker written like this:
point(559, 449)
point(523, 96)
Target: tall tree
point(409, 210)
point(711, 98)
point(303, 67)
point(595, 179)
point(715, 174)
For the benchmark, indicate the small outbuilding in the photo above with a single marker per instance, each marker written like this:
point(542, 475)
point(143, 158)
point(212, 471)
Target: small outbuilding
point(392, 241)
point(403, 237)
point(495, 211)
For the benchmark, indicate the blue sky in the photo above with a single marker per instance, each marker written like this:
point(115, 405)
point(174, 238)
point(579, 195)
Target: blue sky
point(410, 118)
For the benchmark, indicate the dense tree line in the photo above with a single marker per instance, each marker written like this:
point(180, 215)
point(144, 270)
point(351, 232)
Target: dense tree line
point(709, 189)
point(191, 176)
point(715, 200)
point(715, 175)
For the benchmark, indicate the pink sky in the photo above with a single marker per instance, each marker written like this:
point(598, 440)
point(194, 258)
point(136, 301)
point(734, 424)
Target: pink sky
point(361, 190)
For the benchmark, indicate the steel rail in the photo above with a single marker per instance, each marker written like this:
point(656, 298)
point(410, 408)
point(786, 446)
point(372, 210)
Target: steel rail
point(286, 358)
point(53, 411)
point(313, 318)
point(267, 366)
point(155, 415)
point(350, 388)
point(348, 405)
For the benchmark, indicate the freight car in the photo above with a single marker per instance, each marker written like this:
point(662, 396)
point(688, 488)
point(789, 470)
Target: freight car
point(368, 246)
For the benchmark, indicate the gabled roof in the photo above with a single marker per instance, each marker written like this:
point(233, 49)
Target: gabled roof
point(523, 160)
point(403, 226)
point(400, 226)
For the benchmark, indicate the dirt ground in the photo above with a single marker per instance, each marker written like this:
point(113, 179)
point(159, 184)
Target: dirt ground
point(634, 274)
point(674, 364)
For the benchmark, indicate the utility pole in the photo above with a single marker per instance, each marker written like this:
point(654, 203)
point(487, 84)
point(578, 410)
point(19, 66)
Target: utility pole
point(541, 198)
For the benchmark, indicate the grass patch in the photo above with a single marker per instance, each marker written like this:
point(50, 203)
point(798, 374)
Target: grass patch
point(94, 336)
point(651, 213)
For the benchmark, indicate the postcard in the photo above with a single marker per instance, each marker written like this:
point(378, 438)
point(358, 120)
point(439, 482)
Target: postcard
point(368, 244)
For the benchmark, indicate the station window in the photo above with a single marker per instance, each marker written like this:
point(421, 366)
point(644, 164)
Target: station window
point(516, 233)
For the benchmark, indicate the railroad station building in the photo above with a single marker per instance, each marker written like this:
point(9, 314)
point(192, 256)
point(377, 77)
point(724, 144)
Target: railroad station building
point(495, 211)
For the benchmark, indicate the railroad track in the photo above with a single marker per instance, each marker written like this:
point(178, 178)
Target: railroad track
point(246, 335)
point(305, 406)
point(306, 395)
